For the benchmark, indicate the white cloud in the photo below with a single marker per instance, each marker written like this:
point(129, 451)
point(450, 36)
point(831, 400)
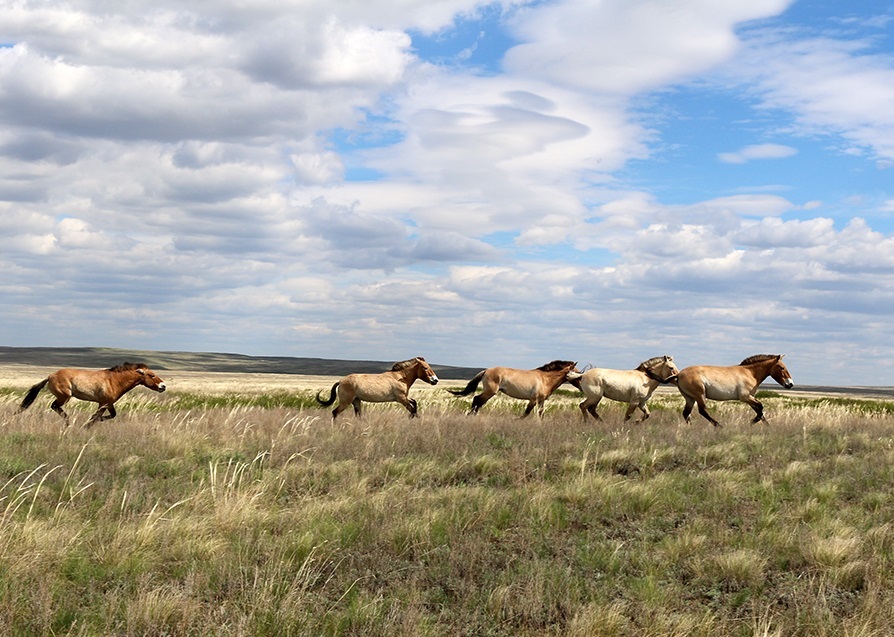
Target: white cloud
point(758, 151)
point(830, 86)
point(169, 179)
point(628, 47)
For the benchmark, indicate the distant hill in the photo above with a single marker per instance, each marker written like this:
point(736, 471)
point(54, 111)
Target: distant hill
point(101, 357)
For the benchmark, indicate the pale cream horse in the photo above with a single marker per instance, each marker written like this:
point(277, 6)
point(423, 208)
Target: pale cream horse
point(390, 386)
point(533, 385)
point(736, 382)
point(103, 386)
point(633, 387)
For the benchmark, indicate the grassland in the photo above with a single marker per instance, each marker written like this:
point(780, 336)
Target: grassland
point(233, 506)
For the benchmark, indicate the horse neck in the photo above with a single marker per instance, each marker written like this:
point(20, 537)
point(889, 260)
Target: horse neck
point(123, 382)
point(655, 377)
point(762, 370)
point(556, 378)
point(409, 375)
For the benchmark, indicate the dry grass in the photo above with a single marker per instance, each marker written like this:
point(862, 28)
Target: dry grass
point(228, 518)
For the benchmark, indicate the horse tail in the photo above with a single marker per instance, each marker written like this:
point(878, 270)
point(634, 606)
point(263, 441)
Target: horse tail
point(472, 386)
point(331, 398)
point(32, 394)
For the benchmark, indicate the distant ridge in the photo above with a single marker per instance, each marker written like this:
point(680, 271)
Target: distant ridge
point(102, 357)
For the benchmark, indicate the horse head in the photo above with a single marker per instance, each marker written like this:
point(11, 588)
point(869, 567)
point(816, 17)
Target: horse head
point(150, 379)
point(781, 374)
point(425, 372)
point(660, 368)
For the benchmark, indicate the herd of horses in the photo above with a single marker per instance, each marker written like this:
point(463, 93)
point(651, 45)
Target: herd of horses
point(697, 384)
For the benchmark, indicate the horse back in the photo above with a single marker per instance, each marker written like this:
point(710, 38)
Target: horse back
point(84, 384)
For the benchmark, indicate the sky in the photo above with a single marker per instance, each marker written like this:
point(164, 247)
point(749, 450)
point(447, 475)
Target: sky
point(478, 183)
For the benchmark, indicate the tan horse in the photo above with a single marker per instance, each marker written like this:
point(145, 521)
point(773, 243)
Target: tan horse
point(533, 385)
point(737, 382)
point(390, 386)
point(103, 386)
point(633, 387)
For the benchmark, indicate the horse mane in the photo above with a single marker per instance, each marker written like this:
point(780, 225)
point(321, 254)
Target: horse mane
point(407, 363)
point(126, 367)
point(555, 366)
point(652, 362)
point(758, 358)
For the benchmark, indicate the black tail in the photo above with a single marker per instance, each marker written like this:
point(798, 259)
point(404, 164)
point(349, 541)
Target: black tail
point(331, 400)
point(472, 386)
point(32, 394)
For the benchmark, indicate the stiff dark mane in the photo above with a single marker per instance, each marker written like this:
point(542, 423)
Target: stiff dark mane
point(649, 364)
point(126, 367)
point(555, 366)
point(758, 358)
point(407, 363)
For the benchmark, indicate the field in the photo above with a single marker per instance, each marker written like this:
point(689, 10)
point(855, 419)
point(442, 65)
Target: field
point(231, 505)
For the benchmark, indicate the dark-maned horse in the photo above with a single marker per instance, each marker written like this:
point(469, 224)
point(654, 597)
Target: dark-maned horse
point(633, 387)
point(103, 386)
point(390, 386)
point(736, 382)
point(533, 385)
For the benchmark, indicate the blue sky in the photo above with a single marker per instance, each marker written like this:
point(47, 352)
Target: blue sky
point(479, 183)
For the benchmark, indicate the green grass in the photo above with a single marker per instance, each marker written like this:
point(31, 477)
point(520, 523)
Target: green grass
point(260, 516)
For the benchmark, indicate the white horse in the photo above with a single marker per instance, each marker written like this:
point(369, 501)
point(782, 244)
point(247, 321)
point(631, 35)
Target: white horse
point(634, 387)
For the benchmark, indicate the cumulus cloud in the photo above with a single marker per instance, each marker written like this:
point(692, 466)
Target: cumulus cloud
point(185, 177)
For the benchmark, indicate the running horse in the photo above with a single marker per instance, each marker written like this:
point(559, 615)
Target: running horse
point(390, 386)
point(533, 385)
point(103, 386)
point(737, 382)
point(633, 387)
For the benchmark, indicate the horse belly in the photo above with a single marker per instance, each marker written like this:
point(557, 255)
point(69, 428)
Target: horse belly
point(715, 392)
point(625, 388)
point(89, 389)
point(522, 390)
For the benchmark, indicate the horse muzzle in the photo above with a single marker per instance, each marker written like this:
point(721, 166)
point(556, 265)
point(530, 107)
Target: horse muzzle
point(160, 388)
point(433, 380)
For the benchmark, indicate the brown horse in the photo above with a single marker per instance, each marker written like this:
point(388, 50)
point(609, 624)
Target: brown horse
point(103, 386)
point(390, 386)
point(633, 387)
point(737, 382)
point(533, 385)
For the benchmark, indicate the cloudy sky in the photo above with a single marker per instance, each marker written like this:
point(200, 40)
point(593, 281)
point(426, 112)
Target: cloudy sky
point(479, 183)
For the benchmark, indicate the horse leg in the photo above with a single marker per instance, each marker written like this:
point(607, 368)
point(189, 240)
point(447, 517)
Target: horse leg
point(57, 407)
point(645, 409)
point(530, 408)
point(356, 403)
point(96, 417)
point(413, 407)
point(758, 408)
point(478, 402)
point(687, 409)
point(338, 409)
point(703, 410)
point(631, 407)
point(587, 407)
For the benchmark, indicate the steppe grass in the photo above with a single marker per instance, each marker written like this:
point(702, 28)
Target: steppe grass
point(257, 515)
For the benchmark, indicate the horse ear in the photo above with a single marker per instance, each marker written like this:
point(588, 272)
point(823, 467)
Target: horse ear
point(141, 371)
